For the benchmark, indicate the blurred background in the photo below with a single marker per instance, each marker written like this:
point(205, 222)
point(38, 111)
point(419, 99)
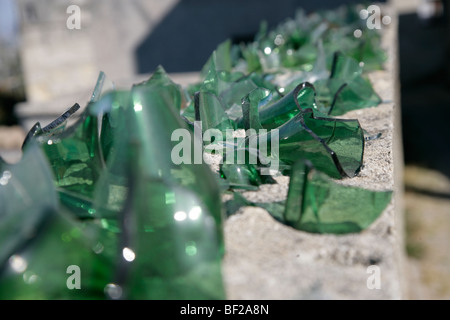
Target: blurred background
point(45, 67)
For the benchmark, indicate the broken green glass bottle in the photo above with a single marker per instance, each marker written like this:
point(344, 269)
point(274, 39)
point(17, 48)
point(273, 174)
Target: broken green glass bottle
point(75, 158)
point(175, 237)
point(317, 204)
point(334, 146)
point(347, 88)
point(174, 258)
point(211, 112)
point(239, 171)
point(124, 193)
point(175, 247)
point(33, 227)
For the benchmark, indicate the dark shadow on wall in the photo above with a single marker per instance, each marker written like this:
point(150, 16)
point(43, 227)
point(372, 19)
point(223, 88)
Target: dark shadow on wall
point(187, 36)
point(425, 92)
point(7, 103)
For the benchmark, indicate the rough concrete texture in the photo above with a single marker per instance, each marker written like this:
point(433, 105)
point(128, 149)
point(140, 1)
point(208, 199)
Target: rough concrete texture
point(268, 260)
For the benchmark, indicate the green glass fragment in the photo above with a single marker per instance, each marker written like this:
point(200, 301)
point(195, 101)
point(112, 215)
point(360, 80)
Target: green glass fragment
point(160, 79)
point(221, 58)
point(239, 172)
point(334, 146)
point(115, 137)
point(250, 109)
point(40, 243)
point(229, 87)
point(176, 225)
point(58, 125)
point(278, 113)
point(211, 112)
point(350, 90)
point(275, 209)
point(42, 268)
point(317, 204)
point(177, 245)
point(24, 204)
point(76, 160)
point(158, 146)
point(293, 43)
point(124, 193)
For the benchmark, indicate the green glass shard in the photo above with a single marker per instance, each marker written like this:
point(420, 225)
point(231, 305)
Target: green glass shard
point(251, 55)
point(340, 139)
point(250, 109)
point(278, 113)
point(188, 113)
point(357, 93)
point(334, 146)
point(96, 94)
point(229, 87)
point(211, 112)
point(116, 139)
point(275, 209)
point(317, 204)
point(293, 43)
point(176, 237)
point(125, 195)
point(42, 268)
point(39, 242)
point(221, 58)
point(177, 246)
point(159, 150)
point(24, 204)
point(237, 91)
point(54, 127)
point(75, 159)
point(160, 79)
point(239, 172)
point(345, 88)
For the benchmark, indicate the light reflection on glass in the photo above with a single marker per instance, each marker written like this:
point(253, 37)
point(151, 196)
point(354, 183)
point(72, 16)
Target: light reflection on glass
point(5, 178)
point(180, 215)
point(279, 40)
point(364, 14)
point(113, 291)
point(98, 248)
point(18, 264)
point(128, 254)
point(357, 33)
point(30, 277)
point(191, 249)
point(195, 213)
point(170, 197)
